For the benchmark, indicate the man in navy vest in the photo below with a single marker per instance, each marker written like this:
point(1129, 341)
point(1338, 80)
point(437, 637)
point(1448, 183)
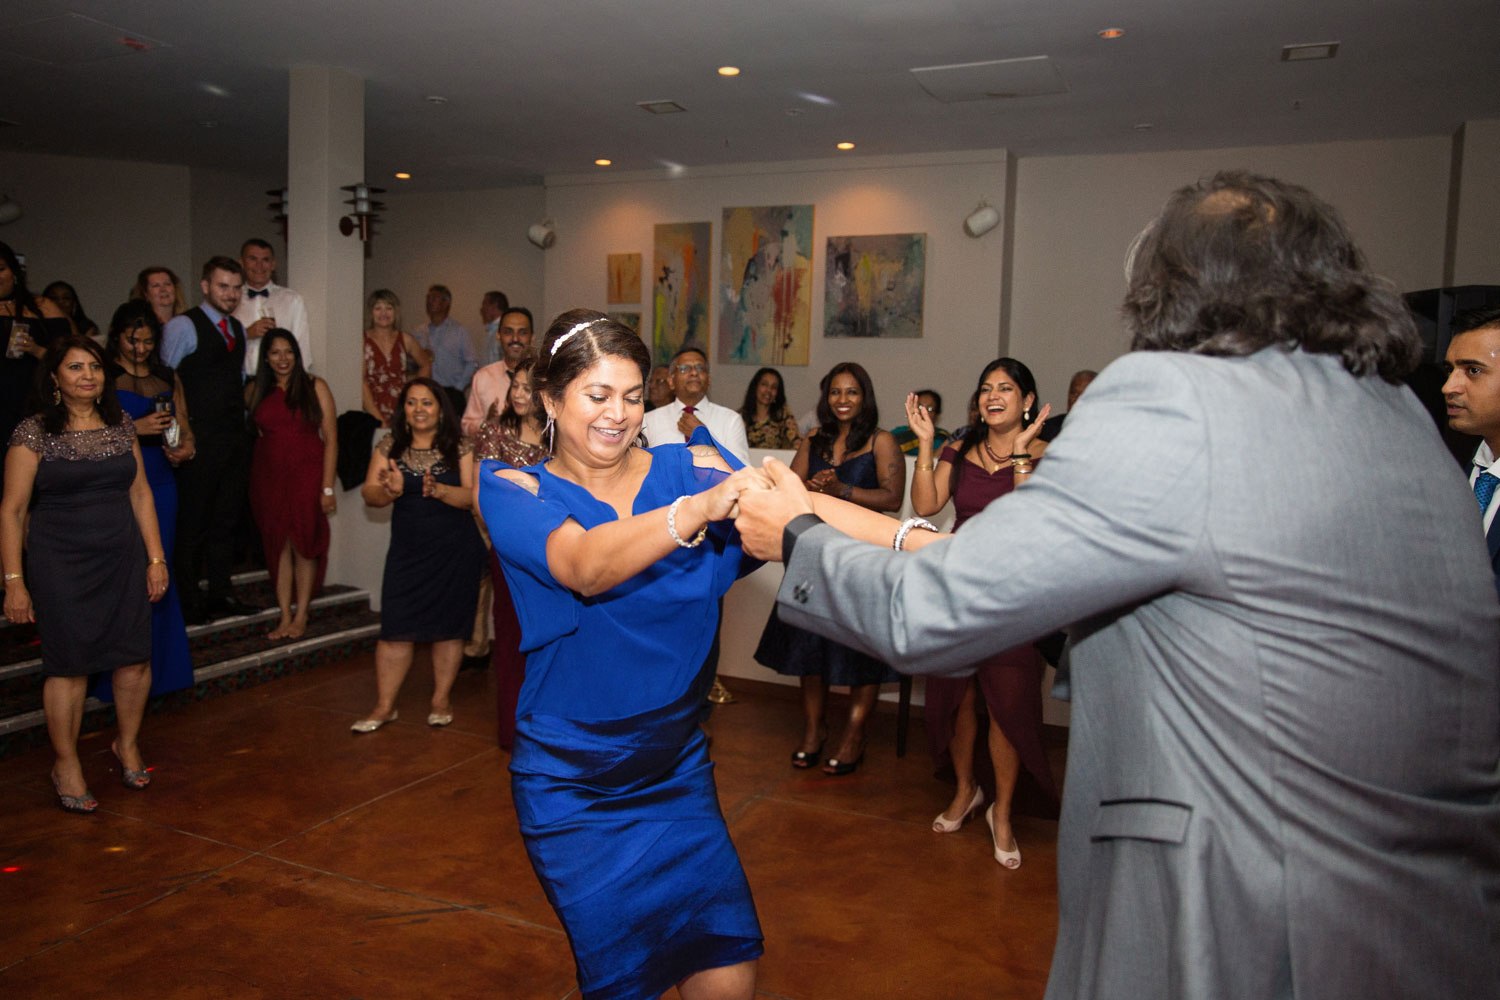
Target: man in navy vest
point(1472, 393)
point(206, 345)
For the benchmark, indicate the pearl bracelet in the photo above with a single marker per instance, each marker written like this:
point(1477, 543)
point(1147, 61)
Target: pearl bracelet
point(672, 526)
point(905, 529)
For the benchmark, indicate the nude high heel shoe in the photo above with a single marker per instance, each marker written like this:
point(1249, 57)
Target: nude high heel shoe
point(1007, 859)
point(944, 825)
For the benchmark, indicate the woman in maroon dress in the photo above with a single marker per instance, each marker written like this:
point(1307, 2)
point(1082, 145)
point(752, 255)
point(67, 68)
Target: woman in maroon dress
point(515, 437)
point(995, 455)
point(291, 474)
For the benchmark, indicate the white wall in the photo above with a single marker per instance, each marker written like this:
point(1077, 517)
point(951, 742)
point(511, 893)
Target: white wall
point(96, 223)
point(471, 241)
point(1076, 215)
point(227, 209)
point(1476, 237)
point(931, 194)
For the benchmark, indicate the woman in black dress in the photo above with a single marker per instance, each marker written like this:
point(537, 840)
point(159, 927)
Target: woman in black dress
point(425, 469)
point(94, 558)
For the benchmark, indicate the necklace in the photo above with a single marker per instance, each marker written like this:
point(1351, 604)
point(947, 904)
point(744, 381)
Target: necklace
point(999, 462)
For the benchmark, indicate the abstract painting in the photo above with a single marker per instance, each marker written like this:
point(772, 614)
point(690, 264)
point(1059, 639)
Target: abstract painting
point(624, 278)
point(873, 285)
point(680, 287)
point(765, 287)
point(629, 320)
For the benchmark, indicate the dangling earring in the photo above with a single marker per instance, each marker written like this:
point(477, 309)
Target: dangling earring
point(1026, 415)
point(551, 430)
point(56, 394)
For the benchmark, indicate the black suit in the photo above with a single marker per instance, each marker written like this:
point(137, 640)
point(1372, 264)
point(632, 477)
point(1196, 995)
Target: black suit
point(211, 489)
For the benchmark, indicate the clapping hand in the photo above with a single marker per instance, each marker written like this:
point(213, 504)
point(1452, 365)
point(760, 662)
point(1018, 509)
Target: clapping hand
point(1028, 435)
point(429, 484)
point(918, 419)
point(763, 513)
point(392, 479)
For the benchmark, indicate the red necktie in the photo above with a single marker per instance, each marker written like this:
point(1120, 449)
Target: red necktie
point(224, 329)
point(688, 409)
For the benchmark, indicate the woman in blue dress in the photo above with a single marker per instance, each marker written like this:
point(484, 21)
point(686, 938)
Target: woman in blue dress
point(616, 557)
point(851, 458)
point(152, 394)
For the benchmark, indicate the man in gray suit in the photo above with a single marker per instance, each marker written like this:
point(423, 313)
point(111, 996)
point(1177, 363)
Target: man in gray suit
point(1284, 763)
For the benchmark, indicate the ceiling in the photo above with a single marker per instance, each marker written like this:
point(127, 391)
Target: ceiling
point(535, 88)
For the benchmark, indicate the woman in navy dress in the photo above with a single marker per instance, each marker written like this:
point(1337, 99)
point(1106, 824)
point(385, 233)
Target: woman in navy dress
point(424, 469)
point(151, 394)
point(851, 458)
point(994, 456)
point(616, 557)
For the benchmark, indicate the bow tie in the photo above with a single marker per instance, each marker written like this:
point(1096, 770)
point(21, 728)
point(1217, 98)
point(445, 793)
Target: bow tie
point(258, 293)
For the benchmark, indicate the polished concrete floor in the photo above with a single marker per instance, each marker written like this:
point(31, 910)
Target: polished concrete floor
point(277, 856)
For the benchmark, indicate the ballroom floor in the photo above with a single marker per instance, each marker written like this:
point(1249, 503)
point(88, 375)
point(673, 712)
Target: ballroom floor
point(277, 856)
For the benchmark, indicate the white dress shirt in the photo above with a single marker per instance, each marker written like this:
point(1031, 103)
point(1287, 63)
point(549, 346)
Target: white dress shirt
point(291, 314)
point(1484, 461)
point(723, 423)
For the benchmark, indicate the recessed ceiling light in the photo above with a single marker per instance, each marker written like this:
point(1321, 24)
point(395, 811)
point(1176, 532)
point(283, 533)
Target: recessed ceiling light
point(602, 162)
point(403, 176)
point(214, 89)
point(208, 124)
point(1309, 50)
point(436, 99)
point(729, 71)
point(1112, 33)
point(846, 145)
point(1144, 127)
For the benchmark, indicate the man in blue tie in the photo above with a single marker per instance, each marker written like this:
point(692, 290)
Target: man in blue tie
point(1472, 393)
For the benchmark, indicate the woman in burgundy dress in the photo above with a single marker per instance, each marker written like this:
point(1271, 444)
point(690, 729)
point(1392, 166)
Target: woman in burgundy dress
point(997, 453)
point(515, 437)
point(391, 358)
point(291, 474)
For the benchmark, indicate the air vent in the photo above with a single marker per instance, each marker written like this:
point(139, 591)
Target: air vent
point(998, 79)
point(1307, 51)
point(661, 107)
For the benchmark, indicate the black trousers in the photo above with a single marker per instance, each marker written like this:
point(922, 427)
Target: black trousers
point(211, 492)
point(456, 397)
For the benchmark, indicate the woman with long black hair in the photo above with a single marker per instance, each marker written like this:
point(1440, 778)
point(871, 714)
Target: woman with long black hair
point(768, 423)
point(849, 457)
point(292, 472)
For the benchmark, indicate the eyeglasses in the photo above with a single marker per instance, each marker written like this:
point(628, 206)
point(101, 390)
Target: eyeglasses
point(689, 369)
point(928, 408)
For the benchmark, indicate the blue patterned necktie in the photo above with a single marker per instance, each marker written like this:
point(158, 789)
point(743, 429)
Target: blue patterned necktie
point(1484, 489)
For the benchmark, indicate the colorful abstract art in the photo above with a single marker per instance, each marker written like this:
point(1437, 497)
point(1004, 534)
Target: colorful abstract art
point(680, 287)
point(765, 288)
point(873, 285)
point(623, 282)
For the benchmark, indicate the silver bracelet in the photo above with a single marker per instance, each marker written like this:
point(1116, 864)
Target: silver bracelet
point(672, 526)
point(905, 529)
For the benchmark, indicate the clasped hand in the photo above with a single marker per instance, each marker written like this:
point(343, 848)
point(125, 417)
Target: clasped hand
point(769, 500)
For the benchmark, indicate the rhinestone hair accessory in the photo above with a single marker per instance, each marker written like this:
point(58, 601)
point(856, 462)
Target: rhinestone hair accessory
point(577, 328)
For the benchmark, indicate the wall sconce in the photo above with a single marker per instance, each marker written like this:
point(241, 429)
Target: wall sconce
point(363, 218)
point(278, 210)
point(543, 234)
point(981, 220)
point(10, 209)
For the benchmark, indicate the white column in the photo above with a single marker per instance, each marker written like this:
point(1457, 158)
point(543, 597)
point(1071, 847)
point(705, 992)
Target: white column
point(326, 150)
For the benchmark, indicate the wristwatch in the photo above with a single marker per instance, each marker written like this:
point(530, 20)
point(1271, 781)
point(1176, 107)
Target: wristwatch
point(328, 491)
point(795, 529)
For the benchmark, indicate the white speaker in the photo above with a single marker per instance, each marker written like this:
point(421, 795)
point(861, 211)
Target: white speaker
point(981, 220)
point(542, 234)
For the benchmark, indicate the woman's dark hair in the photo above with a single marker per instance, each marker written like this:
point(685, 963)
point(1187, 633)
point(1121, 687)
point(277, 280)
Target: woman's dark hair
point(301, 395)
point(77, 315)
point(130, 316)
point(509, 419)
point(448, 434)
point(978, 430)
point(777, 410)
point(587, 337)
point(1241, 262)
point(865, 422)
point(54, 412)
point(19, 294)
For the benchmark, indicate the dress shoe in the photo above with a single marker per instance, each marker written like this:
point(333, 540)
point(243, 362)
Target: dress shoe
point(838, 768)
point(1007, 859)
point(370, 725)
point(803, 760)
point(136, 780)
point(82, 804)
point(439, 718)
point(945, 825)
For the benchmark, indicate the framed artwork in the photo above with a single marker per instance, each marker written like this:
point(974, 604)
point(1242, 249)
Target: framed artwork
point(873, 285)
point(680, 287)
point(765, 288)
point(630, 320)
point(623, 278)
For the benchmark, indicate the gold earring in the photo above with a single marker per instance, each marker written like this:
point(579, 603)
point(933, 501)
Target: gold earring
point(56, 394)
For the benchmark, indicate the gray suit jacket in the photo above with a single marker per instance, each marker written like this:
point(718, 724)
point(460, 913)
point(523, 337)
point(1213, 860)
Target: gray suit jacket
point(1284, 765)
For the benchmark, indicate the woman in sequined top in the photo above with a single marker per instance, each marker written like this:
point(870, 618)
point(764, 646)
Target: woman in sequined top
point(93, 556)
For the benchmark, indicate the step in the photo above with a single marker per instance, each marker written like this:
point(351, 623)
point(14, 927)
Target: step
point(228, 655)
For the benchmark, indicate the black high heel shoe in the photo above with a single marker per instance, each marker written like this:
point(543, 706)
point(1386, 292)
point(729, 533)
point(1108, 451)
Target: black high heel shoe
point(838, 768)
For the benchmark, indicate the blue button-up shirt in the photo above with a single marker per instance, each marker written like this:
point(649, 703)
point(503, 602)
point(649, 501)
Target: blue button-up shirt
point(179, 337)
point(453, 360)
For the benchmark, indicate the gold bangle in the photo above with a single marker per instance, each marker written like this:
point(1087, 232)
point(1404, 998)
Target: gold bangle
point(12, 576)
point(923, 468)
point(153, 562)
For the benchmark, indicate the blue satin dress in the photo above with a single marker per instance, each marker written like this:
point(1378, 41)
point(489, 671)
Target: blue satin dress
point(171, 661)
point(610, 773)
